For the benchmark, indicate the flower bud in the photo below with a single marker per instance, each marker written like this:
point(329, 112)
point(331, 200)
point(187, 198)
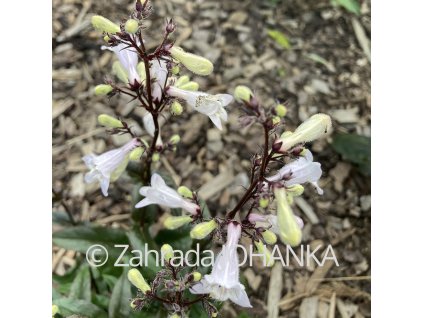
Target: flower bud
point(295, 190)
point(175, 139)
point(102, 89)
point(203, 229)
point(109, 121)
point(120, 72)
point(136, 279)
point(54, 310)
point(185, 192)
point(167, 252)
point(155, 157)
point(104, 25)
point(289, 230)
point(268, 259)
point(314, 127)
point(141, 70)
point(131, 26)
point(196, 64)
point(176, 69)
point(214, 315)
point(190, 86)
point(269, 237)
point(176, 108)
point(276, 120)
point(280, 110)
point(264, 202)
point(196, 276)
point(174, 222)
point(243, 93)
point(136, 154)
point(174, 316)
point(106, 38)
point(182, 80)
point(136, 303)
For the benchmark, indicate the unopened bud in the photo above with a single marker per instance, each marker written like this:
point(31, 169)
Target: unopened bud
point(185, 192)
point(136, 154)
point(276, 120)
point(214, 314)
point(167, 252)
point(190, 86)
point(176, 108)
point(196, 64)
point(136, 279)
point(203, 229)
point(280, 110)
point(102, 24)
point(196, 276)
point(182, 80)
point(269, 237)
point(243, 93)
point(176, 69)
point(264, 202)
point(174, 316)
point(106, 38)
point(102, 89)
point(54, 310)
point(175, 139)
point(141, 70)
point(155, 157)
point(120, 72)
point(109, 121)
point(131, 26)
point(267, 256)
point(174, 222)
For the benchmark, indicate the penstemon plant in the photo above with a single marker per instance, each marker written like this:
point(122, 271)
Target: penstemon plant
point(151, 76)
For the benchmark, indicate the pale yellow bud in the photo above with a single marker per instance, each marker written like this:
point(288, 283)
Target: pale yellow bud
point(155, 157)
point(196, 64)
point(175, 139)
point(106, 38)
point(185, 192)
point(276, 120)
point(104, 25)
point(269, 237)
point(120, 72)
point(190, 86)
point(295, 190)
point(290, 231)
point(174, 222)
point(54, 310)
point(268, 259)
point(214, 315)
point(102, 89)
point(109, 121)
point(141, 70)
point(281, 110)
point(174, 316)
point(182, 80)
point(313, 128)
point(197, 276)
point(176, 69)
point(242, 93)
point(167, 252)
point(136, 279)
point(176, 108)
point(136, 154)
point(131, 26)
point(264, 202)
point(203, 229)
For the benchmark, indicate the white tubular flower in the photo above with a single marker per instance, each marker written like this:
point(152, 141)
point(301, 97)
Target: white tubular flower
point(148, 122)
point(210, 105)
point(128, 57)
point(300, 171)
point(160, 193)
point(159, 73)
point(223, 282)
point(108, 166)
point(271, 220)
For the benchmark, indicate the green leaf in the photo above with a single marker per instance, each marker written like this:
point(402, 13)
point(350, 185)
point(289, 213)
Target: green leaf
point(197, 311)
point(69, 306)
point(101, 301)
point(63, 283)
point(354, 148)
point(119, 305)
point(81, 238)
point(279, 38)
point(81, 286)
point(351, 5)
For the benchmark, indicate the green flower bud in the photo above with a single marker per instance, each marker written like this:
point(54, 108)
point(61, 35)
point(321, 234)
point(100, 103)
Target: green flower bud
point(136, 279)
point(155, 157)
point(264, 202)
point(106, 38)
point(214, 315)
point(109, 121)
point(102, 24)
point(131, 26)
point(196, 64)
point(102, 89)
point(280, 110)
point(167, 252)
point(120, 72)
point(136, 154)
point(174, 316)
point(176, 69)
point(269, 237)
point(176, 108)
point(276, 120)
point(141, 70)
point(242, 93)
point(54, 310)
point(182, 80)
point(174, 222)
point(203, 229)
point(269, 261)
point(175, 139)
point(185, 192)
point(197, 276)
point(190, 86)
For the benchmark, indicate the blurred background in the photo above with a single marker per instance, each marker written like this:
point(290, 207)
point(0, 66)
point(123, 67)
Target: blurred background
point(312, 56)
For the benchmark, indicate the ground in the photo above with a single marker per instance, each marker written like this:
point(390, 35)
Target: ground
point(326, 69)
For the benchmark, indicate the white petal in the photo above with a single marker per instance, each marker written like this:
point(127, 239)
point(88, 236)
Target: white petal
point(89, 160)
point(92, 176)
point(144, 202)
point(199, 288)
point(157, 181)
point(239, 297)
point(143, 190)
point(225, 98)
point(223, 114)
point(104, 184)
point(216, 121)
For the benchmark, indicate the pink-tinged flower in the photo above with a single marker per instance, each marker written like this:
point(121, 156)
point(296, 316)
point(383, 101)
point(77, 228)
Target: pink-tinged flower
point(128, 57)
point(223, 282)
point(159, 74)
point(211, 105)
point(108, 166)
point(160, 193)
point(300, 171)
point(149, 126)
